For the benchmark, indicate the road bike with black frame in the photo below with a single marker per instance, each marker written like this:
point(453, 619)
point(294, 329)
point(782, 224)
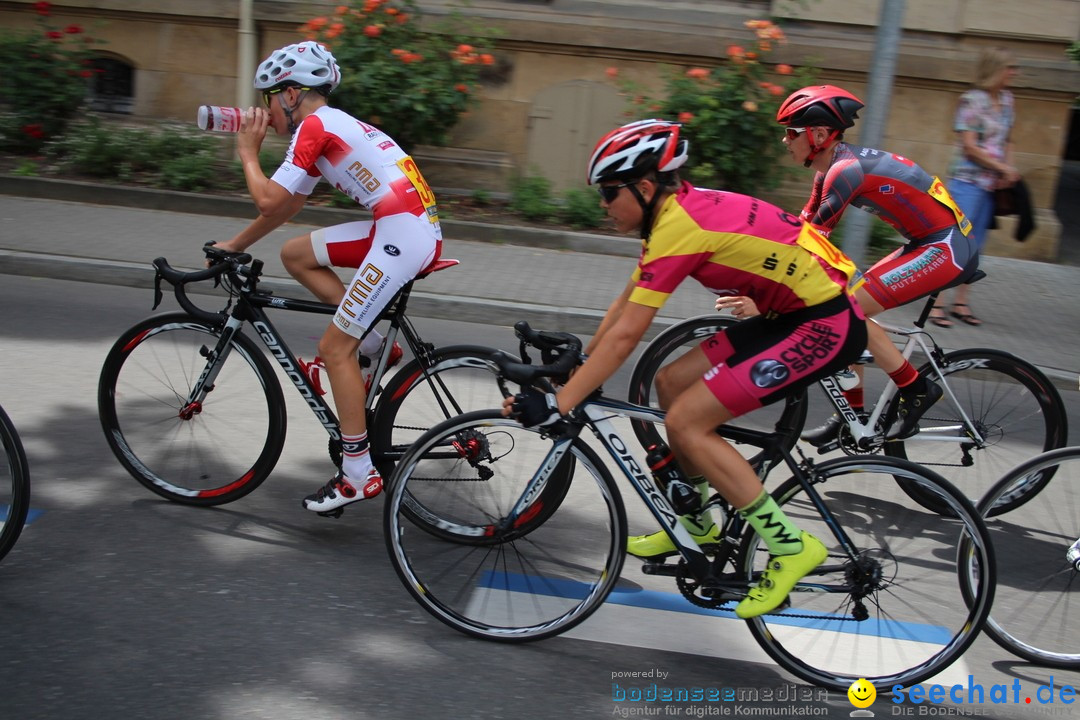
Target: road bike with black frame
point(14, 485)
point(1036, 612)
point(887, 604)
point(194, 410)
point(997, 409)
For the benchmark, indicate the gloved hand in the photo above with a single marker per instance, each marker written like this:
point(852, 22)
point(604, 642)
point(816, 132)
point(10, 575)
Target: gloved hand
point(533, 408)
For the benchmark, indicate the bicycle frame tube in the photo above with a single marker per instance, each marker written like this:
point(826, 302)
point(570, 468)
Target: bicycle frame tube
point(285, 358)
point(599, 414)
point(861, 431)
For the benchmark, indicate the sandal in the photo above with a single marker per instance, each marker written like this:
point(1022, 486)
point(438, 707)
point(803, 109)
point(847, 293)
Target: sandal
point(967, 317)
point(941, 320)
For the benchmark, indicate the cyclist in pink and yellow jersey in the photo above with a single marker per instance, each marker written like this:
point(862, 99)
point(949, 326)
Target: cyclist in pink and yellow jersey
point(939, 252)
point(810, 326)
point(402, 239)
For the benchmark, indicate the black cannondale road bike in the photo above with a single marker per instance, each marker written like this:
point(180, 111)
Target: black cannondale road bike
point(192, 407)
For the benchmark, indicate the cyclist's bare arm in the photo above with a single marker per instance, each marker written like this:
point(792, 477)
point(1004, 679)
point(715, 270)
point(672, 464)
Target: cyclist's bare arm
point(612, 315)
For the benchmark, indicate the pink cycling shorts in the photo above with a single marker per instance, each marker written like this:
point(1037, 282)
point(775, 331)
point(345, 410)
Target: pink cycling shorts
point(761, 360)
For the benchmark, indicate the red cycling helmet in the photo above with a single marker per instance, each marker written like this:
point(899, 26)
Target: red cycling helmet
point(638, 148)
point(820, 106)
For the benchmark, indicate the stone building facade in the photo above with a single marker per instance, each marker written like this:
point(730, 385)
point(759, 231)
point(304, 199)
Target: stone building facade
point(551, 98)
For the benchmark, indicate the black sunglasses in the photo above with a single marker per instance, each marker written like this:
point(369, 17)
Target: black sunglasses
point(610, 192)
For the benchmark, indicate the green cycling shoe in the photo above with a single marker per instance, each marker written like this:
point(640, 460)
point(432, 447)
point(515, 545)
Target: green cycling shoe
point(780, 576)
point(659, 545)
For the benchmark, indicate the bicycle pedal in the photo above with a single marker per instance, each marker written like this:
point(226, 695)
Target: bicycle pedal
point(335, 513)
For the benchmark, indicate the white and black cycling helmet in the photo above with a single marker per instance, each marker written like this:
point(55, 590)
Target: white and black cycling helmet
point(307, 65)
point(636, 149)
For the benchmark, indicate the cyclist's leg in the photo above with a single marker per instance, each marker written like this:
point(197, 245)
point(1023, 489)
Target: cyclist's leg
point(780, 357)
point(405, 245)
point(942, 260)
point(311, 268)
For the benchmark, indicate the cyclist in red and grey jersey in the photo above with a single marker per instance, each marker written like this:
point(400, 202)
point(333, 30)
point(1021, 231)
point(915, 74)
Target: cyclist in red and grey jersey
point(939, 252)
point(388, 251)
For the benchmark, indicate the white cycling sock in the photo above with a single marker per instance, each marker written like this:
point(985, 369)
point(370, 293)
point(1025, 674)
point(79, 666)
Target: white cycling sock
point(355, 458)
point(371, 344)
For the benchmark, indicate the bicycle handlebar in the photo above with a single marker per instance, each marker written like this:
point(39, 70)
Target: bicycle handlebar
point(561, 354)
point(222, 262)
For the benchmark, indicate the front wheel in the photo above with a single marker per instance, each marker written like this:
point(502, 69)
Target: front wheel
point(1013, 407)
point(1035, 609)
point(786, 416)
point(14, 485)
point(480, 559)
point(890, 607)
point(208, 452)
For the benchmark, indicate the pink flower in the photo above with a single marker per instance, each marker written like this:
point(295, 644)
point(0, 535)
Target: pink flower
point(54, 35)
point(686, 117)
point(35, 131)
point(373, 31)
point(612, 72)
point(783, 69)
point(697, 73)
point(43, 8)
point(73, 29)
point(462, 87)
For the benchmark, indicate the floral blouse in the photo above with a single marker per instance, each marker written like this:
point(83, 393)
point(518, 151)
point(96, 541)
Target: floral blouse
point(976, 113)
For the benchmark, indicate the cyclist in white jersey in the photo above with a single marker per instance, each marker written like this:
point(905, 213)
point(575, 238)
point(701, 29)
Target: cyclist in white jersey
point(402, 239)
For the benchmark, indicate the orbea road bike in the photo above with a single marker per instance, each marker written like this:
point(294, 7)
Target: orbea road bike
point(997, 409)
point(886, 605)
point(193, 409)
point(1037, 606)
point(14, 485)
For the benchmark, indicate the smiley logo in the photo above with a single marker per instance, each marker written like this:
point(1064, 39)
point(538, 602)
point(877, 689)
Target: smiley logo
point(861, 693)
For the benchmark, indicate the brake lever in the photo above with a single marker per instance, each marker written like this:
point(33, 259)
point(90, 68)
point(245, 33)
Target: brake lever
point(157, 289)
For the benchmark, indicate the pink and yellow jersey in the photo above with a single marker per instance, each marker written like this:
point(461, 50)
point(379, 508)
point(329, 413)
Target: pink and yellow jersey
point(358, 159)
point(738, 245)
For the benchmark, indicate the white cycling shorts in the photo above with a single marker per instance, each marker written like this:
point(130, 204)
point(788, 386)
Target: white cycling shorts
point(386, 254)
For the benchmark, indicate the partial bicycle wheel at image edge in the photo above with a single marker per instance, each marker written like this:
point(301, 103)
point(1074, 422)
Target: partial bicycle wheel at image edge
point(1036, 612)
point(14, 485)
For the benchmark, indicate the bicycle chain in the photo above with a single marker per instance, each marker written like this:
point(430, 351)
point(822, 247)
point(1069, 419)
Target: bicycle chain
point(688, 586)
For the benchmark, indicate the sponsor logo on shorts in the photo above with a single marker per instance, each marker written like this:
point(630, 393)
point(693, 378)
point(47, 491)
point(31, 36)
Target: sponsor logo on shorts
point(818, 343)
point(391, 250)
point(769, 373)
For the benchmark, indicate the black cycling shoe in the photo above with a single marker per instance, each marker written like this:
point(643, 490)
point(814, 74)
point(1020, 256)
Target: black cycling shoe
point(829, 430)
point(912, 405)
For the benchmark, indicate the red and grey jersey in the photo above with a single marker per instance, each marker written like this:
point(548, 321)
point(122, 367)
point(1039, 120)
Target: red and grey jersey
point(358, 159)
point(885, 184)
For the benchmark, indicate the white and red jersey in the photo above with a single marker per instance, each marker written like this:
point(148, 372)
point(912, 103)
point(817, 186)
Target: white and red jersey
point(360, 160)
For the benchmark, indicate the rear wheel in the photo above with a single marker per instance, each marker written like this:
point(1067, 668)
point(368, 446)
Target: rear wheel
point(895, 613)
point(1015, 409)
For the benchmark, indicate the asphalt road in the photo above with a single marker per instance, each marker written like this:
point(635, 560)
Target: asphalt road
point(118, 604)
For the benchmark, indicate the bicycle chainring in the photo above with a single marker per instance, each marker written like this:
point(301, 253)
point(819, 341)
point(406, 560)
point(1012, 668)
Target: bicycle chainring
point(691, 586)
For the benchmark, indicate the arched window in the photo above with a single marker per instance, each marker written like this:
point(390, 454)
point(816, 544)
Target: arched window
point(113, 86)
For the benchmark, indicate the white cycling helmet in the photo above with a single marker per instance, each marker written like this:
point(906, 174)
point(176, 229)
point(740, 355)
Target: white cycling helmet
point(635, 149)
point(307, 64)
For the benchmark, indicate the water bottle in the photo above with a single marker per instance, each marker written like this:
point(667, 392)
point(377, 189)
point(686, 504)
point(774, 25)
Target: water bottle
point(683, 496)
point(1073, 555)
point(220, 119)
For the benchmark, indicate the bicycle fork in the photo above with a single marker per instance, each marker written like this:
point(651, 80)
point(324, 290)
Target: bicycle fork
point(215, 360)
